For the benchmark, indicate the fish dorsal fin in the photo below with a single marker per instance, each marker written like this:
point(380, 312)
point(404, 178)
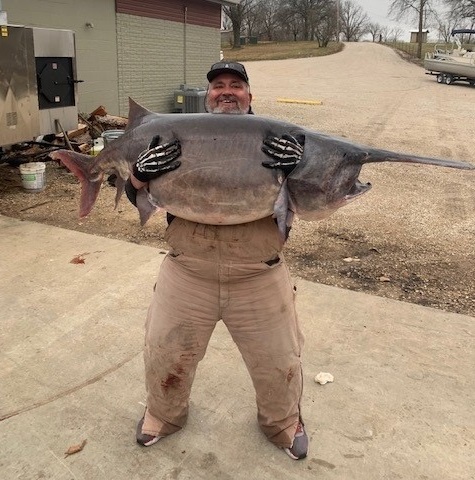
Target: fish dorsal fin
point(136, 114)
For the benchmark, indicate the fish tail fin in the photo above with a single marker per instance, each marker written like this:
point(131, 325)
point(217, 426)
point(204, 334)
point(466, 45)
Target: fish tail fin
point(82, 167)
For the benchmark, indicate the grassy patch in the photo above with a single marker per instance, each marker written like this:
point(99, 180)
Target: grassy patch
point(411, 48)
point(279, 51)
point(283, 50)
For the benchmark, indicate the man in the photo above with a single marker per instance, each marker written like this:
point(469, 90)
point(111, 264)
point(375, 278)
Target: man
point(234, 273)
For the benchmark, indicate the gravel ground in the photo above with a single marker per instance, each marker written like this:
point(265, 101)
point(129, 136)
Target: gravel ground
point(410, 238)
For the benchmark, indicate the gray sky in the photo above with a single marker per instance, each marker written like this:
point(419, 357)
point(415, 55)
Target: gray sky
point(377, 11)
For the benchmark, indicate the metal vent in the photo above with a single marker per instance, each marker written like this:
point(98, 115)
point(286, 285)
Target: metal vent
point(189, 100)
point(194, 101)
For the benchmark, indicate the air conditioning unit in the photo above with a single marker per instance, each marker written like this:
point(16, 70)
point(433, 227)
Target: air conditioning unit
point(189, 99)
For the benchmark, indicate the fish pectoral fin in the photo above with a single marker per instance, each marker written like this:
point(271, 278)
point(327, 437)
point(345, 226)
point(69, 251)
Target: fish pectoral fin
point(145, 208)
point(120, 186)
point(283, 212)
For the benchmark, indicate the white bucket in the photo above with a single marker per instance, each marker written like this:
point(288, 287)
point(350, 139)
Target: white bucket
point(33, 177)
point(110, 135)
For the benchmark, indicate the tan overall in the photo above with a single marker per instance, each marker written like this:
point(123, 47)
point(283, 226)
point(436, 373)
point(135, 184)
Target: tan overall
point(236, 274)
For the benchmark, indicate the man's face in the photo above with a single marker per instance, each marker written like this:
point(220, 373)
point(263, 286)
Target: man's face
point(227, 93)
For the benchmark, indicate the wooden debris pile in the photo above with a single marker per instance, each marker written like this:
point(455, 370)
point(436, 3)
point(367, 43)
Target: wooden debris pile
point(81, 139)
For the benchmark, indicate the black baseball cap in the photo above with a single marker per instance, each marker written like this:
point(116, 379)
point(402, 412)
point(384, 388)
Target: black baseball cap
point(227, 67)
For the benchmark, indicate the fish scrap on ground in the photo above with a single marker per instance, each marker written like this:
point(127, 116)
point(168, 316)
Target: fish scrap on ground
point(221, 180)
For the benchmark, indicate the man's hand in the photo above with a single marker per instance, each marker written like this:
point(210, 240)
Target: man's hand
point(157, 159)
point(286, 152)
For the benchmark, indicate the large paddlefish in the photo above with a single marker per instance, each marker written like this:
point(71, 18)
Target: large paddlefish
point(221, 179)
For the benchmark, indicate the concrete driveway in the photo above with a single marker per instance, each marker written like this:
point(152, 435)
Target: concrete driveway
point(401, 404)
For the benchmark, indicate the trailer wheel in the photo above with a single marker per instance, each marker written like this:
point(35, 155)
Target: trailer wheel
point(448, 79)
point(440, 78)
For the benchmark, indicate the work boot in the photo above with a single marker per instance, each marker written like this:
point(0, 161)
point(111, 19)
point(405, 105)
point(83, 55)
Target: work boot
point(299, 448)
point(144, 439)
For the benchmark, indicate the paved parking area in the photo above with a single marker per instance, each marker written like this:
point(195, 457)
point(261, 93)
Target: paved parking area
point(72, 310)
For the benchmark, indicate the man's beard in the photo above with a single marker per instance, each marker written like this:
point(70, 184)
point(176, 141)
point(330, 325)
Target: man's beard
point(223, 109)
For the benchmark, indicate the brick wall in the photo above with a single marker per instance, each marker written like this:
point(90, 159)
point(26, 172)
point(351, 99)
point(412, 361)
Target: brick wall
point(153, 60)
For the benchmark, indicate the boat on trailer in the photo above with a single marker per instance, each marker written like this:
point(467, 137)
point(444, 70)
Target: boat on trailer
point(456, 65)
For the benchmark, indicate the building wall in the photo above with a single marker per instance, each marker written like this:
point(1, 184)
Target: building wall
point(96, 48)
point(145, 51)
point(194, 12)
point(157, 56)
point(415, 37)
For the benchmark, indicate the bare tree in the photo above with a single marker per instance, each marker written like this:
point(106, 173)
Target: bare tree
point(283, 19)
point(237, 14)
point(289, 22)
point(463, 8)
point(325, 22)
point(394, 34)
point(251, 20)
point(306, 11)
point(444, 29)
point(445, 24)
point(374, 29)
point(420, 9)
point(384, 33)
point(266, 13)
point(354, 21)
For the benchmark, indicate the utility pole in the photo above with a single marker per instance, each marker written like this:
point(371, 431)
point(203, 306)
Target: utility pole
point(337, 21)
point(421, 19)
